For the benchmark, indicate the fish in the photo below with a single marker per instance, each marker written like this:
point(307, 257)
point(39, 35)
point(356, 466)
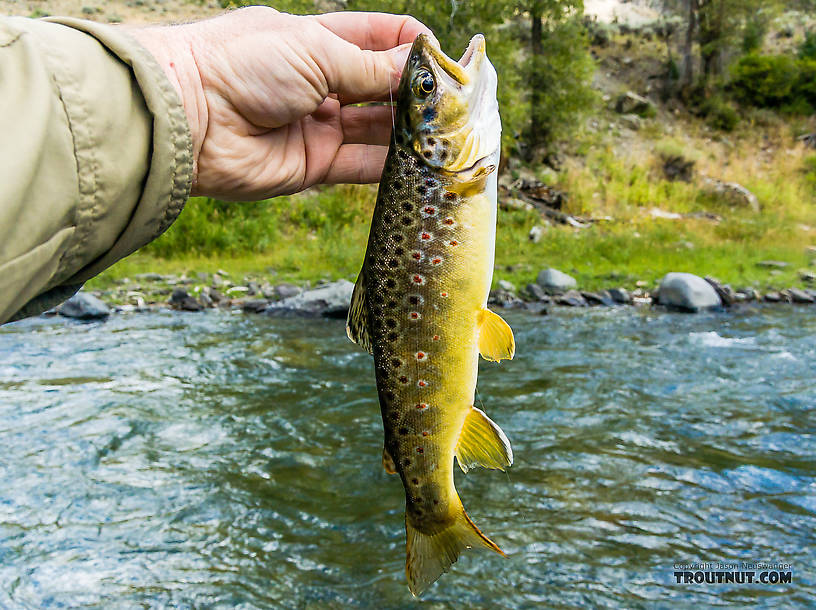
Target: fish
point(419, 305)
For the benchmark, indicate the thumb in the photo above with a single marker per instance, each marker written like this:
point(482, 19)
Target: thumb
point(358, 75)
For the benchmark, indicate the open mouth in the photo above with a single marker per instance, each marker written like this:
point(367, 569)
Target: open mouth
point(477, 44)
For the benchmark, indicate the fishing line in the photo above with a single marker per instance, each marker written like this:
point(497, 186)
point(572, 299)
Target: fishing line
point(393, 124)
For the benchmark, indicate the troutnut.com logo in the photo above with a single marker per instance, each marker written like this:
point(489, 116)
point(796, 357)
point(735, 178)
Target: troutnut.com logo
point(739, 572)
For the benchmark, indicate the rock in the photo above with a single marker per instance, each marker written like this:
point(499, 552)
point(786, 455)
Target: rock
point(773, 297)
point(598, 298)
point(149, 277)
point(677, 167)
point(749, 294)
point(632, 121)
point(773, 264)
point(555, 282)
point(800, 296)
point(84, 306)
point(205, 299)
point(213, 294)
point(183, 301)
point(537, 308)
point(620, 295)
point(733, 192)
point(507, 286)
point(268, 291)
point(254, 306)
point(687, 292)
point(632, 103)
point(536, 233)
point(504, 298)
point(285, 291)
point(252, 289)
point(807, 276)
point(726, 293)
point(537, 293)
point(572, 298)
point(329, 300)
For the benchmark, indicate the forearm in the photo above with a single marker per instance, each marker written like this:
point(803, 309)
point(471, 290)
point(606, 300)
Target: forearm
point(96, 156)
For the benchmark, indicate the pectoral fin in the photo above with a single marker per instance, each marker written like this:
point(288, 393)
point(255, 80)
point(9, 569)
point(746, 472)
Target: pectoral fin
point(388, 462)
point(482, 443)
point(357, 320)
point(495, 337)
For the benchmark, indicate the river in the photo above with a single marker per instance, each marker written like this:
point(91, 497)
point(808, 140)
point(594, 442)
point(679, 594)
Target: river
point(231, 460)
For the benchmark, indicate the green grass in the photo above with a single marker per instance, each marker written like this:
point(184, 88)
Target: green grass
point(322, 234)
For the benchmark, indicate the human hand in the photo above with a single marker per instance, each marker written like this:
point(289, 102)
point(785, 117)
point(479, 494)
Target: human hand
point(268, 96)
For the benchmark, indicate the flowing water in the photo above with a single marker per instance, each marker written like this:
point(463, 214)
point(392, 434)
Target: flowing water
point(228, 460)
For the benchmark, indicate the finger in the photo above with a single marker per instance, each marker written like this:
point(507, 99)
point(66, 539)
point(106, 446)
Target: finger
point(374, 31)
point(357, 164)
point(366, 125)
point(355, 74)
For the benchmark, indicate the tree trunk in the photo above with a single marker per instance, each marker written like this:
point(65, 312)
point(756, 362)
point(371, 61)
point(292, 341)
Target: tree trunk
point(688, 58)
point(536, 128)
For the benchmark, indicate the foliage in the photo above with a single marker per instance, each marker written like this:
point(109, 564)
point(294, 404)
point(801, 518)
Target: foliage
point(807, 50)
point(720, 113)
point(764, 80)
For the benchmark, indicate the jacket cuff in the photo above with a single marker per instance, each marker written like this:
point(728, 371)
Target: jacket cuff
point(167, 185)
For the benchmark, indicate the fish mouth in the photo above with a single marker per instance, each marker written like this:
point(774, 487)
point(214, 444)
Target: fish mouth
point(463, 71)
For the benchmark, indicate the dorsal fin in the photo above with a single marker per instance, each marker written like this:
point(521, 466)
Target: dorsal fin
point(482, 443)
point(388, 462)
point(357, 320)
point(496, 340)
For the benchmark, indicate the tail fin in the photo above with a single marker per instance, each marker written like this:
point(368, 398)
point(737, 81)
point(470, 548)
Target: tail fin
point(431, 555)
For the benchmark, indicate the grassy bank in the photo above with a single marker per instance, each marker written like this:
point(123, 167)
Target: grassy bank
point(618, 178)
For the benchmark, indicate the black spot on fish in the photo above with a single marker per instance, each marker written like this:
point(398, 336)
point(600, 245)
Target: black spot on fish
point(397, 238)
point(390, 283)
point(392, 303)
point(389, 395)
point(422, 189)
point(407, 207)
point(403, 431)
point(429, 114)
point(391, 323)
point(392, 336)
point(443, 155)
point(407, 221)
point(396, 362)
point(449, 196)
point(427, 154)
point(393, 263)
point(431, 141)
point(399, 251)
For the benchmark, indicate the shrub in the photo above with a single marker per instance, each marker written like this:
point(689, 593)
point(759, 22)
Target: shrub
point(805, 87)
point(807, 50)
point(764, 80)
point(720, 114)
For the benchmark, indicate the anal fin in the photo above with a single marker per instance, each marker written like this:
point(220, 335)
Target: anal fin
point(482, 443)
point(388, 462)
point(496, 340)
point(357, 320)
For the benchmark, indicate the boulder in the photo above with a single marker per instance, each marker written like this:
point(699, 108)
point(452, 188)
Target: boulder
point(620, 295)
point(84, 306)
point(687, 292)
point(329, 300)
point(773, 264)
point(725, 292)
point(536, 292)
point(732, 192)
point(507, 286)
point(598, 298)
point(773, 297)
point(285, 291)
point(536, 233)
point(554, 281)
point(183, 301)
point(632, 121)
point(504, 298)
point(573, 298)
point(800, 296)
point(632, 103)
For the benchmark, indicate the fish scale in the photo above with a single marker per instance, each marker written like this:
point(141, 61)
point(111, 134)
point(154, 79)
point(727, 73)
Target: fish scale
point(419, 305)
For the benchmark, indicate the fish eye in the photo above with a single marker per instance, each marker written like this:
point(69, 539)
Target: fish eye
point(424, 83)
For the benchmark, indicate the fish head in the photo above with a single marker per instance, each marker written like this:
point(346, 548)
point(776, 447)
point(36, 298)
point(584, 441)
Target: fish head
point(448, 114)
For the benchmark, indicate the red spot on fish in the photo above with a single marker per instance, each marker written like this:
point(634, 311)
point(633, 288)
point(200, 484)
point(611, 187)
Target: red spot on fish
point(422, 406)
point(444, 294)
point(450, 196)
point(418, 279)
point(421, 383)
point(415, 315)
point(436, 261)
point(453, 242)
point(430, 210)
point(420, 450)
point(448, 221)
point(420, 355)
point(425, 433)
point(416, 255)
point(436, 337)
point(403, 379)
point(426, 236)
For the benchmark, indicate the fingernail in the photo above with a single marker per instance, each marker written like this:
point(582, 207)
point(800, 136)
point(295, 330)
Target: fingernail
point(399, 55)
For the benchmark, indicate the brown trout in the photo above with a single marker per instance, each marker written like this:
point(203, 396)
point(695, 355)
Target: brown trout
point(420, 302)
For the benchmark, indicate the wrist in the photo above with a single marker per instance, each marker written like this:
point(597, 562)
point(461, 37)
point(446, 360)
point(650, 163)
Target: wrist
point(173, 50)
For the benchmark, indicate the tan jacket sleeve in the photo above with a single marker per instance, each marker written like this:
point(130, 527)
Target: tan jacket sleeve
point(95, 156)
